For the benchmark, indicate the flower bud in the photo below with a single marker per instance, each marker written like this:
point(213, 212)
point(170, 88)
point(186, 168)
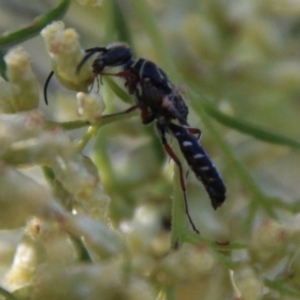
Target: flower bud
point(29, 254)
point(188, 263)
point(57, 242)
point(268, 242)
point(139, 289)
point(21, 92)
point(90, 106)
point(66, 53)
point(246, 284)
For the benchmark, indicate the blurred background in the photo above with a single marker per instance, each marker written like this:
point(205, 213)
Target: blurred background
point(240, 59)
point(240, 56)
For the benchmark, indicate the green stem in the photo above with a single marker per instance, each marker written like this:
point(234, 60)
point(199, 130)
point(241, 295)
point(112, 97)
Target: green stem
point(143, 11)
point(171, 293)
point(6, 294)
point(35, 26)
point(49, 174)
point(178, 211)
point(71, 125)
point(2, 66)
point(106, 119)
point(82, 251)
point(91, 132)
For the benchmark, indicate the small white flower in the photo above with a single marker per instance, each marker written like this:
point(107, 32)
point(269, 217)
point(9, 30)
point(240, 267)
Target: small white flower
point(90, 106)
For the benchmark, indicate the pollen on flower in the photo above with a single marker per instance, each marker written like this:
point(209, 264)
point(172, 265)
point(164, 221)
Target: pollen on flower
point(18, 59)
point(61, 41)
point(50, 32)
point(71, 33)
point(66, 42)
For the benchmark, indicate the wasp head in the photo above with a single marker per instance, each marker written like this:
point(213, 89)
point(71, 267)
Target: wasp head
point(113, 55)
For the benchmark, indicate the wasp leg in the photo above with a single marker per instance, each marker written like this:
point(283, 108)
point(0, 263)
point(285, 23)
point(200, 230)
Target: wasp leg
point(195, 131)
point(124, 112)
point(173, 156)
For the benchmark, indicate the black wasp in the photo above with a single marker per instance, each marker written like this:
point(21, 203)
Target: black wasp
point(159, 100)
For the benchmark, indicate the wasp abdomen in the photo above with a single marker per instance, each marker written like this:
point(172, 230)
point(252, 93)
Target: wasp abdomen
point(201, 164)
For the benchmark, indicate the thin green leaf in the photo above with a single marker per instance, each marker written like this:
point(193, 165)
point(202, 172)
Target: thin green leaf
point(282, 288)
point(195, 239)
point(19, 35)
point(170, 293)
point(106, 119)
point(120, 23)
point(82, 252)
point(49, 174)
point(178, 211)
point(7, 295)
point(231, 246)
point(70, 125)
point(227, 261)
point(2, 65)
point(24, 293)
point(118, 91)
point(250, 129)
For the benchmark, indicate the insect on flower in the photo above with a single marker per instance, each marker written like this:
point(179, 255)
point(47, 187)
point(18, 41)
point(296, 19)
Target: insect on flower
point(159, 101)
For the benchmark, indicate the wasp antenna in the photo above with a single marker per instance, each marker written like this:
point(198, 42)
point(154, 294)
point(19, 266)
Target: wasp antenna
point(90, 52)
point(46, 86)
point(95, 49)
point(83, 61)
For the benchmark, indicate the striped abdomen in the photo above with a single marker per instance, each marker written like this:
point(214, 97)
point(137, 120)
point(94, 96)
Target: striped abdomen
point(200, 163)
